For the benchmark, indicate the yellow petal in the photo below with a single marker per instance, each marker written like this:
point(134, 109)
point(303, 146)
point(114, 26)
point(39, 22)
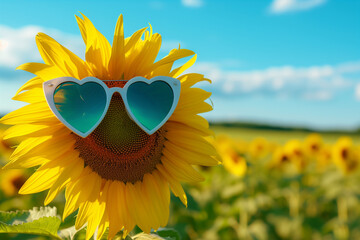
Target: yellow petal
point(49, 142)
point(35, 112)
point(28, 162)
point(158, 193)
point(131, 42)
point(177, 126)
point(45, 176)
point(117, 60)
point(175, 186)
point(176, 72)
point(78, 192)
point(97, 212)
point(191, 157)
point(163, 70)
point(192, 95)
point(55, 54)
point(98, 50)
point(71, 172)
point(119, 214)
point(188, 80)
point(138, 203)
point(196, 108)
point(180, 169)
point(31, 96)
point(104, 224)
point(31, 130)
point(192, 120)
point(147, 55)
point(44, 71)
point(43, 148)
point(191, 142)
point(35, 82)
point(172, 57)
point(82, 28)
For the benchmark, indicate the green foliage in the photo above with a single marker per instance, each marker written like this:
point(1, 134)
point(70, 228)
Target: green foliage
point(38, 221)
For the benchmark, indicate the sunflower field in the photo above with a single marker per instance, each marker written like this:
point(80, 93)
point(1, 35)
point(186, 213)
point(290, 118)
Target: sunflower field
point(270, 185)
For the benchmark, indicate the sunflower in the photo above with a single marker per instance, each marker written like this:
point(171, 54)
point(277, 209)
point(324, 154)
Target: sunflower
point(313, 144)
point(118, 176)
point(234, 162)
point(345, 155)
point(323, 158)
point(295, 151)
point(259, 148)
point(232, 153)
point(11, 181)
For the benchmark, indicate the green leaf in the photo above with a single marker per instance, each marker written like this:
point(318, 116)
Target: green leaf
point(168, 233)
point(38, 221)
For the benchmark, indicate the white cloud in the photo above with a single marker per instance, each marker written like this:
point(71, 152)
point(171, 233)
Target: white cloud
point(17, 45)
point(283, 6)
point(357, 92)
point(314, 82)
point(192, 3)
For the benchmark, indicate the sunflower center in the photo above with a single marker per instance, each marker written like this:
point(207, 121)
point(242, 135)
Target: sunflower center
point(118, 149)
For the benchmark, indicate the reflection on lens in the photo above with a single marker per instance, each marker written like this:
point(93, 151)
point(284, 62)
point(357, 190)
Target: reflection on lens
point(150, 103)
point(80, 105)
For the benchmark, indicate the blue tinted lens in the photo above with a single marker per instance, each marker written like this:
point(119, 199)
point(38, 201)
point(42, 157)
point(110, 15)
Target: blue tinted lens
point(150, 103)
point(80, 105)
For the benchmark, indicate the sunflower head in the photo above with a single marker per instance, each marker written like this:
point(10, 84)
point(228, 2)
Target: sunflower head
point(323, 158)
point(232, 153)
point(12, 180)
point(313, 144)
point(234, 162)
point(118, 176)
point(259, 148)
point(345, 155)
point(295, 151)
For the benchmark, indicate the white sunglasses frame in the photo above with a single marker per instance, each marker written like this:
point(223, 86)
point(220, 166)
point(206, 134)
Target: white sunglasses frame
point(50, 86)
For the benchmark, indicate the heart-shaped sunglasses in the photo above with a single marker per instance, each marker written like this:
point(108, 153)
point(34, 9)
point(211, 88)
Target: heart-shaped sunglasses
point(81, 105)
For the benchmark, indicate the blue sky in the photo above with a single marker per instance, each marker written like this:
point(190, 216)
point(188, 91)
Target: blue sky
point(288, 62)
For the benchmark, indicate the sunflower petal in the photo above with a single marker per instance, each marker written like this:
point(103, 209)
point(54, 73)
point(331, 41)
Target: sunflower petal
point(176, 72)
point(138, 203)
point(181, 171)
point(191, 142)
point(44, 71)
point(119, 214)
point(35, 82)
point(190, 79)
point(175, 186)
point(97, 212)
point(191, 157)
point(172, 57)
point(98, 50)
point(71, 172)
point(45, 176)
point(30, 130)
point(117, 60)
point(56, 55)
point(31, 96)
point(32, 113)
point(75, 193)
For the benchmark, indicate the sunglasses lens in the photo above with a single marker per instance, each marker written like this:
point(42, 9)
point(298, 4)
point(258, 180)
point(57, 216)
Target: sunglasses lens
point(80, 105)
point(150, 103)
